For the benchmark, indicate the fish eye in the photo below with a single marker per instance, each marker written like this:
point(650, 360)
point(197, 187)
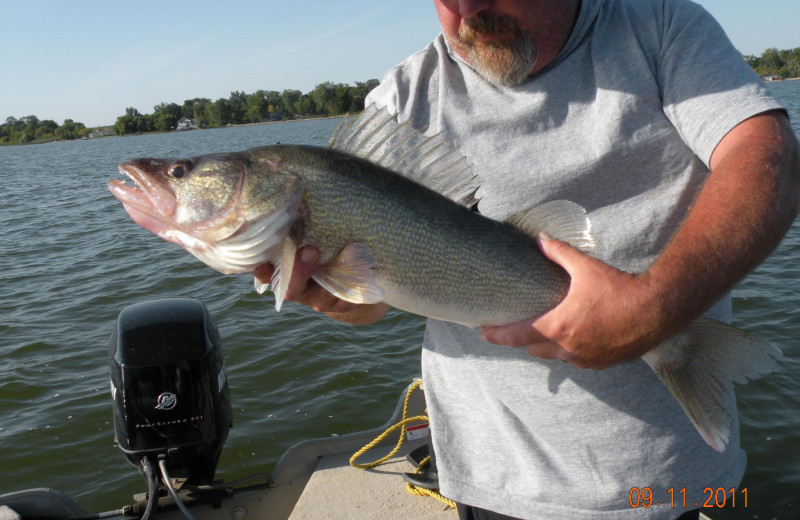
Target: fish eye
point(178, 170)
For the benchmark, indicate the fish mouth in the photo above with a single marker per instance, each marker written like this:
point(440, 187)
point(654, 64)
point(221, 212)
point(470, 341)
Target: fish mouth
point(149, 200)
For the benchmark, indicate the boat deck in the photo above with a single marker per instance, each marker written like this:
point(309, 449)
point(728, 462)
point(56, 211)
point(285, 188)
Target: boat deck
point(338, 490)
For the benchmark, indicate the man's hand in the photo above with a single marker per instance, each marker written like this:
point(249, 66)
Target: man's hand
point(745, 207)
point(302, 289)
point(598, 324)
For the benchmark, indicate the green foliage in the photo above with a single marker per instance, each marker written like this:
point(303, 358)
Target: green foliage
point(772, 62)
point(134, 122)
point(30, 129)
point(166, 116)
point(327, 99)
point(256, 107)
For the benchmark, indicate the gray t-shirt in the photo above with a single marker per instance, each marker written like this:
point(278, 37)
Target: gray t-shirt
point(624, 123)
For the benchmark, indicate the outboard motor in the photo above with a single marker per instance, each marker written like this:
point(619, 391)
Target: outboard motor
point(169, 390)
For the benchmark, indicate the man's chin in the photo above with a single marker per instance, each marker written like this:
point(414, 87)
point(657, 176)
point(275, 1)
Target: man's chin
point(504, 68)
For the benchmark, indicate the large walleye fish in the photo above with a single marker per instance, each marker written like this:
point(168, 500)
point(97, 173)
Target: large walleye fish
point(408, 239)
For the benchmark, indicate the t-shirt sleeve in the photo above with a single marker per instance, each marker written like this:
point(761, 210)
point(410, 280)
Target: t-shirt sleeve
point(707, 86)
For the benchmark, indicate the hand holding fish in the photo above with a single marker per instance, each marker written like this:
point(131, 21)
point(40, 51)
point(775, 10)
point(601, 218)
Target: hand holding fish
point(302, 289)
point(603, 320)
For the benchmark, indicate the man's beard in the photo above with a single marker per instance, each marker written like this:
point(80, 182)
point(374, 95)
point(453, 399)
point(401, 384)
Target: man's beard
point(504, 61)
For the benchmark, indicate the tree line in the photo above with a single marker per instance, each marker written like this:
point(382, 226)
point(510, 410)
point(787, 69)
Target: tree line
point(31, 129)
point(772, 62)
point(327, 99)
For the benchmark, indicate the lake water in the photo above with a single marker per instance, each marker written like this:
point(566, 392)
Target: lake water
point(71, 259)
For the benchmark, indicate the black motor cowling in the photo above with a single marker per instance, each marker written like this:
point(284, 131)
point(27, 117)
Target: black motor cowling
point(169, 388)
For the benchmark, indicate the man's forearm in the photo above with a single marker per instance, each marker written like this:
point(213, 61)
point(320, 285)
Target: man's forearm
point(739, 217)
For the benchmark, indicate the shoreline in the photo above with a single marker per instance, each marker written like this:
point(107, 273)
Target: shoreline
point(779, 79)
point(50, 141)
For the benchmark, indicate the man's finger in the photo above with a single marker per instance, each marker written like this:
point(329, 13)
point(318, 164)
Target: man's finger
point(559, 252)
point(515, 335)
point(263, 273)
point(547, 350)
point(304, 266)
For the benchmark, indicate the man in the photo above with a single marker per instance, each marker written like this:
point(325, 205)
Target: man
point(642, 112)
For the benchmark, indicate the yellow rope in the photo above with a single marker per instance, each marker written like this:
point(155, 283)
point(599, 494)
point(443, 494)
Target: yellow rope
point(380, 437)
point(414, 490)
point(402, 424)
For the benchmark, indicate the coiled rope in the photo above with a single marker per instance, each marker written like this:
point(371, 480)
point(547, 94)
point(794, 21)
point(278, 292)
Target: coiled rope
point(404, 422)
point(414, 490)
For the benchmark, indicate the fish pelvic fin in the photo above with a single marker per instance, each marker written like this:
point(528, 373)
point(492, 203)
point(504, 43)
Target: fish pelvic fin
point(432, 161)
point(351, 276)
point(283, 271)
point(699, 367)
point(561, 220)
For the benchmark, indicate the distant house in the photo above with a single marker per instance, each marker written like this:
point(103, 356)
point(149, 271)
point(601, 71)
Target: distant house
point(101, 132)
point(773, 77)
point(185, 124)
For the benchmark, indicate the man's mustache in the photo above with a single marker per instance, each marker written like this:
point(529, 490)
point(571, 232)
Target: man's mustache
point(487, 25)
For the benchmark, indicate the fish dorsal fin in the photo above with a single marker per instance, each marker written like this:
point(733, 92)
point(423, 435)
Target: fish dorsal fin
point(377, 136)
point(560, 219)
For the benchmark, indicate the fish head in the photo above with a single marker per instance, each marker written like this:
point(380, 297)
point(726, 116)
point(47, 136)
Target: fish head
point(192, 195)
point(226, 209)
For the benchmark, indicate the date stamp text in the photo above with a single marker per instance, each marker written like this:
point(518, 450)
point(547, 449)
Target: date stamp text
point(714, 498)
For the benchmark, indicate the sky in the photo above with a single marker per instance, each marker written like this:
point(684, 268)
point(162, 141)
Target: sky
point(90, 60)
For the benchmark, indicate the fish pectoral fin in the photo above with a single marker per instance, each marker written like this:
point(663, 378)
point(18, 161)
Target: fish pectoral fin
point(352, 276)
point(283, 271)
point(560, 219)
point(699, 367)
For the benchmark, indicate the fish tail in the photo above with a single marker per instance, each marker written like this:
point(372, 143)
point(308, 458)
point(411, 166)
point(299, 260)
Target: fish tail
point(699, 367)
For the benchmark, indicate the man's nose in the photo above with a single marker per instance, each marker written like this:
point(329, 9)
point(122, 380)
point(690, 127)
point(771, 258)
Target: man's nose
point(471, 8)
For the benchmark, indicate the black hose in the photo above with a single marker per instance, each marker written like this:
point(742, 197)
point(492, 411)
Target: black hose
point(162, 463)
point(152, 487)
